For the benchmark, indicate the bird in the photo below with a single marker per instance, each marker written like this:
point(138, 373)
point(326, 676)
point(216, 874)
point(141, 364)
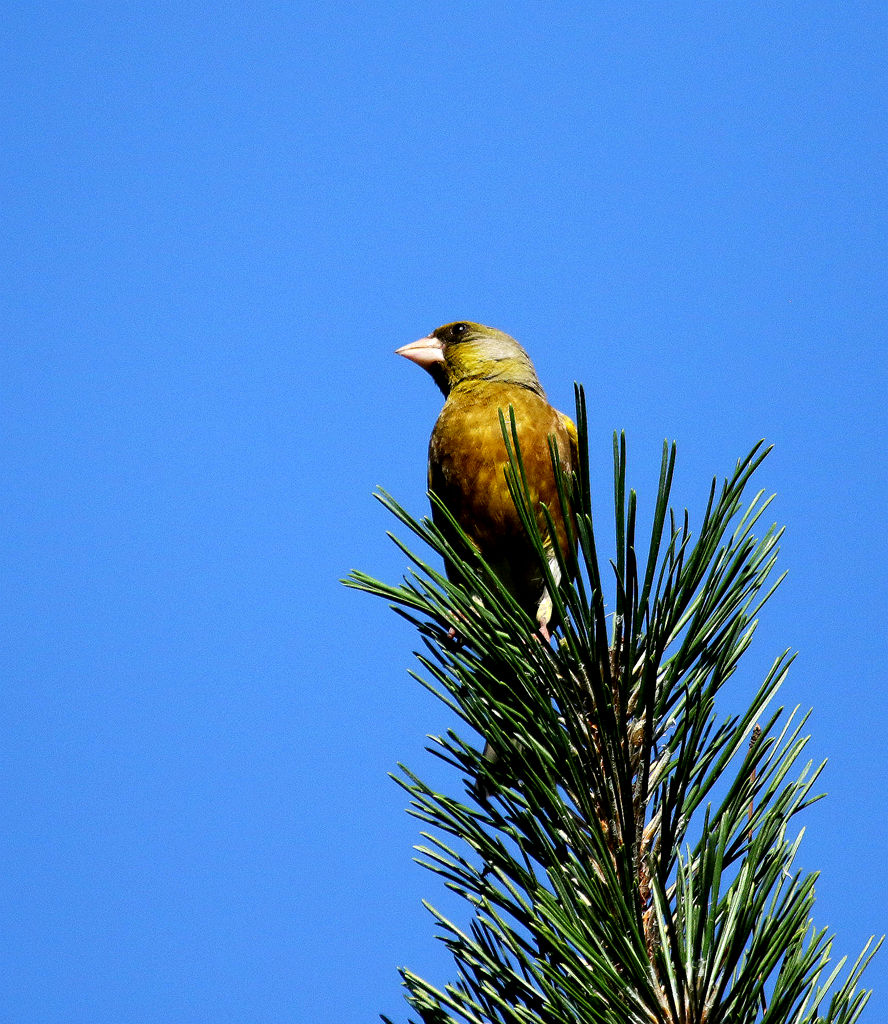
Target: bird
point(480, 371)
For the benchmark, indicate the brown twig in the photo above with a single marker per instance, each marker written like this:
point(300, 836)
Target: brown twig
point(753, 740)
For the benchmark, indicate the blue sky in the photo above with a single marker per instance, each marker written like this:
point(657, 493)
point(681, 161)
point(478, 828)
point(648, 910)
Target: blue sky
point(219, 222)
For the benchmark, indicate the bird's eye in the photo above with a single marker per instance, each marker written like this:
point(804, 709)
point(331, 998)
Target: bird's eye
point(460, 329)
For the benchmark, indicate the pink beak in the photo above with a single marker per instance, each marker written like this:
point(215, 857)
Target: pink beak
point(425, 352)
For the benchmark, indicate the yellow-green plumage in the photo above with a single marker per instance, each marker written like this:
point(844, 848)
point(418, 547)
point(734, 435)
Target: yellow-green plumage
point(481, 371)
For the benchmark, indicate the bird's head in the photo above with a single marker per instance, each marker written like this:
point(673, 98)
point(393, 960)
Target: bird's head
point(464, 351)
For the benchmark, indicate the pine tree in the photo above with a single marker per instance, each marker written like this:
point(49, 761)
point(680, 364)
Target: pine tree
point(628, 856)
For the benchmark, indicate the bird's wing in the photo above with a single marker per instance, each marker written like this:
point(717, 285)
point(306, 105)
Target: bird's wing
point(573, 437)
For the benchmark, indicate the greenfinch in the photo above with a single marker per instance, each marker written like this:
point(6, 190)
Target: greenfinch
point(481, 371)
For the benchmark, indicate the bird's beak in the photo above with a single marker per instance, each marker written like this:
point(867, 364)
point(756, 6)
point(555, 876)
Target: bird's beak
point(425, 352)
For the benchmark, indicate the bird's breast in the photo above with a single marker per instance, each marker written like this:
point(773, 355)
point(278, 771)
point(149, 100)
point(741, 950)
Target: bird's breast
point(468, 458)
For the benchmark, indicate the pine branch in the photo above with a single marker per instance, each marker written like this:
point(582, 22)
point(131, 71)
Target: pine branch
point(633, 861)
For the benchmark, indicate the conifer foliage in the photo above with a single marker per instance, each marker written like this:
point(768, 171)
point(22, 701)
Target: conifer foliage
point(628, 854)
